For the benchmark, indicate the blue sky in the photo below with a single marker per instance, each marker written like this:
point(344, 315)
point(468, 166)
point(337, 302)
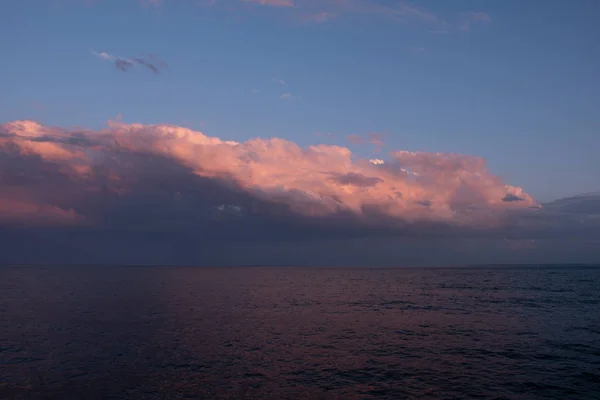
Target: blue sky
point(515, 82)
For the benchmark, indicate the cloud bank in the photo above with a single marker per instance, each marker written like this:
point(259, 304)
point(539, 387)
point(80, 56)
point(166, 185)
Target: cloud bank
point(166, 181)
point(320, 180)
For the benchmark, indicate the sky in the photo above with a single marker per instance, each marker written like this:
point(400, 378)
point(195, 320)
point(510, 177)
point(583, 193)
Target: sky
point(306, 132)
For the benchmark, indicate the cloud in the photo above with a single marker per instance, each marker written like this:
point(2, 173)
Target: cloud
point(152, 3)
point(357, 179)
point(374, 138)
point(289, 96)
point(355, 138)
point(317, 17)
point(143, 187)
point(468, 19)
point(286, 96)
point(17, 211)
point(124, 64)
point(585, 204)
point(272, 3)
point(321, 180)
point(104, 56)
point(319, 11)
point(322, 11)
point(511, 197)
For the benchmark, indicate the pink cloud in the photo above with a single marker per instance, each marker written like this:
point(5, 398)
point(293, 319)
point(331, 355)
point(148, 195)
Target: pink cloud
point(316, 181)
point(21, 211)
point(355, 138)
point(319, 11)
point(374, 138)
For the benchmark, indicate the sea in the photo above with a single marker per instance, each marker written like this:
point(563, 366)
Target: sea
point(154, 332)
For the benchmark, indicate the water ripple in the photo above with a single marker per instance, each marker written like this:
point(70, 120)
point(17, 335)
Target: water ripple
point(299, 333)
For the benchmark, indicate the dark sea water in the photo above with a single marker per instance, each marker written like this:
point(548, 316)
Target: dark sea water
point(299, 333)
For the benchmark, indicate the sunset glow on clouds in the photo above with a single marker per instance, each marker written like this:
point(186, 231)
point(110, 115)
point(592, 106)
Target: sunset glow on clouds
point(398, 10)
point(321, 11)
point(318, 181)
point(373, 132)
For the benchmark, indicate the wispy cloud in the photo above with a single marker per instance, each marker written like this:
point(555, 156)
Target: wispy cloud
point(468, 19)
point(272, 3)
point(406, 12)
point(124, 64)
point(355, 138)
point(317, 17)
point(374, 138)
point(280, 82)
point(319, 11)
point(151, 3)
point(289, 96)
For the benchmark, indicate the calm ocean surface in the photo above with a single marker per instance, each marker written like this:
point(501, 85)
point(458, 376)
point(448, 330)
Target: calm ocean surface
point(299, 333)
